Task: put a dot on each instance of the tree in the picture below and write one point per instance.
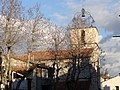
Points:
(34, 26)
(11, 22)
(11, 28)
(56, 42)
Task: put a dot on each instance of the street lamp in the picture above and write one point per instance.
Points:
(116, 36)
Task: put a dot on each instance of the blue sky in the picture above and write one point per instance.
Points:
(60, 12)
(106, 16)
(48, 8)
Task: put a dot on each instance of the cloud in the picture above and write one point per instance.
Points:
(105, 12)
(60, 18)
(112, 55)
(105, 39)
(100, 37)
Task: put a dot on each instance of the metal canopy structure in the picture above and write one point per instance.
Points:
(81, 19)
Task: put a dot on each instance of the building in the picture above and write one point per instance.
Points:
(76, 68)
(84, 35)
(111, 84)
(49, 60)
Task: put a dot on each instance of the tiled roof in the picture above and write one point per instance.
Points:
(49, 55)
(60, 54)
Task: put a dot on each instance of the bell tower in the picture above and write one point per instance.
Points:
(84, 35)
(82, 31)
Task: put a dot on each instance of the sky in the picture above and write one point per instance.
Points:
(106, 15)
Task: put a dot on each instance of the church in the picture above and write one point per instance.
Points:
(75, 68)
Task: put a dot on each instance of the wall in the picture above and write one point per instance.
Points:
(91, 35)
(111, 83)
(91, 41)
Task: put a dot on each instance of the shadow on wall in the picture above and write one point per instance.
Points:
(81, 77)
